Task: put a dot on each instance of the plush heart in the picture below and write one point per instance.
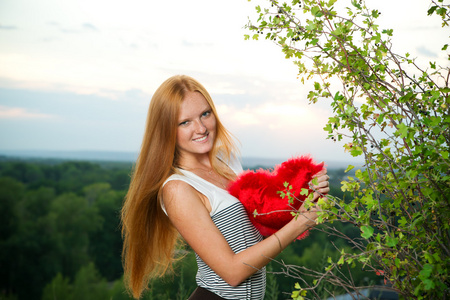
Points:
(258, 191)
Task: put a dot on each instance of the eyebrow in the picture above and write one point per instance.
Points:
(207, 108)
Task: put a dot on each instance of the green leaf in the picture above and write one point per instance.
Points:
(402, 221)
(389, 32)
(356, 4)
(311, 25)
(391, 242)
(431, 10)
(428, 284)
(356, 151)
(331, 2)
(402, 129)
(304, 192)
(367, 231)
(350, 167)
(350, 110)
(425, 275)
(337, 31)
(315, 10)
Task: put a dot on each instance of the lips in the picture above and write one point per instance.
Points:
(201, 139)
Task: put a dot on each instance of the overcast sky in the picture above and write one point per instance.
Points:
(79, 74)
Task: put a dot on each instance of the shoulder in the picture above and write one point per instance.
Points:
(178, 194)
(174, 187)
(175, 184)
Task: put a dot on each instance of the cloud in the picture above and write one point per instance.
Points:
(83, 27)
(21, 113)
(288, 117)
(426, 52)
(89, 26)
(8, 27)
(70, 31)
(53, 23)
(191, 44)
(272, 134)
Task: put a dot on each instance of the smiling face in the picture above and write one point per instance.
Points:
(196, 130)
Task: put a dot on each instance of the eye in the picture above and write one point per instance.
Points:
(206, 113)
(183, 123)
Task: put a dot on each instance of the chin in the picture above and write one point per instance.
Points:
(205, 150)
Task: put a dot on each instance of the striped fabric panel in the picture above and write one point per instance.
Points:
(240, 234)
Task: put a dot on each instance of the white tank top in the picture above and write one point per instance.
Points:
(219, 199)
(230, 217)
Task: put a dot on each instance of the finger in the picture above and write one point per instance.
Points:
(320, 192)
(320, 173)
(321, 184)
(323, 178)
(324, 190)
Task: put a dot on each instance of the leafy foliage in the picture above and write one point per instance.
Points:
(58, 222)
(392, 112)
(60, 236)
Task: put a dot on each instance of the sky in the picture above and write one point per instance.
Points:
(79, 74)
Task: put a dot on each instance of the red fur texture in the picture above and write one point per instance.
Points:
(258, 191)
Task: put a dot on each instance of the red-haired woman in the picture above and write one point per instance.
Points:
(178, 188)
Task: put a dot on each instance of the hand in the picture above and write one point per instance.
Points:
(320, 189)
(323, 186)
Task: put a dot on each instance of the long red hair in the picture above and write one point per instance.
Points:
(149, 237)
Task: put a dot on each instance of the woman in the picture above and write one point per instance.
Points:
(178, 189)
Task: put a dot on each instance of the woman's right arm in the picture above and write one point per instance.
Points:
(189, 215)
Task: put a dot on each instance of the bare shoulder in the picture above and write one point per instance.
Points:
(179, 193)
(174, 187)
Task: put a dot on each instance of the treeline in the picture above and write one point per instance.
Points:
(60, 236)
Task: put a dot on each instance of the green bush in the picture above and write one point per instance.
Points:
(395, 114)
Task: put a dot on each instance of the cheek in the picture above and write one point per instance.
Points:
(211, 123)
(181, 134)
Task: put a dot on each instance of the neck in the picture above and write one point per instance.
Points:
(195, 161)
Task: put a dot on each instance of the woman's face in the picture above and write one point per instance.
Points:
(196, 125)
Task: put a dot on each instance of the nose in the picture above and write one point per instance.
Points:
(200, 127)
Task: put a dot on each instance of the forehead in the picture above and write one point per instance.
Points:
(193, 104)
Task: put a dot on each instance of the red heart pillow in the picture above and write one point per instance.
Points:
(258, 191)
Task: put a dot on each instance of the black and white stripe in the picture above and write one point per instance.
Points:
(235, 226)
(230, 217)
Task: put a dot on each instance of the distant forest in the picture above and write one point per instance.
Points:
(60, 236)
